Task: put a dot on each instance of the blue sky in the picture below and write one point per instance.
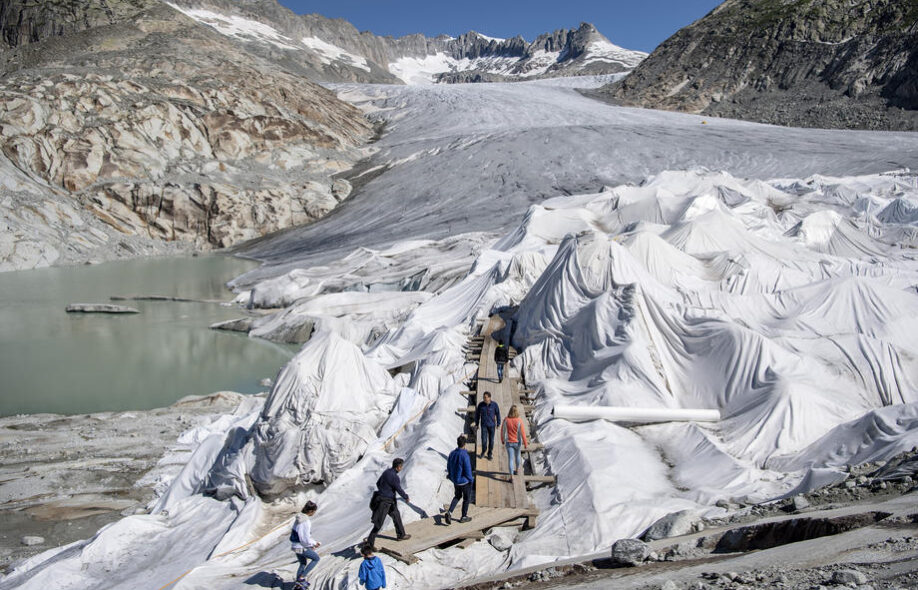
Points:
(634, 24)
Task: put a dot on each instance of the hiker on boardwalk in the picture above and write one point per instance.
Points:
(384, 500)
(459, 471)
(304, 545)
(512, 434)
(372, 574)
(501, 357)
(487, 417)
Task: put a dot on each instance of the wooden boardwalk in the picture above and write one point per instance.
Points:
(499, 499)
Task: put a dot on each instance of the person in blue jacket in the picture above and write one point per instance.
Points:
(487, 417)
(372, 574)
(459, 471)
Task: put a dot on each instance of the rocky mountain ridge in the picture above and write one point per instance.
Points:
(334, 50)
(806, 63)
(154, 133)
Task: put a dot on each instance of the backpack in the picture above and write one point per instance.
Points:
(294, 536)
(374, 501)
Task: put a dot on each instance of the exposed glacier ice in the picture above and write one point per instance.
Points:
(473, 157)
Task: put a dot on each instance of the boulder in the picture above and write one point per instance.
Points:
(629, 552)
(800, 503)
(849, 576)
(30, 540)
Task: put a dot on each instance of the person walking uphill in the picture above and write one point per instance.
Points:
(304, 545)
(372, 574)
(487, 417)
(459, 471)
(511, 435)
(501, 357)
(384, 500)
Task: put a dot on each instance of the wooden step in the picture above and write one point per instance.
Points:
(540, 478)
(428, 532)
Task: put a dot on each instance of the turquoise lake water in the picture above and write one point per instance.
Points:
(52, 361)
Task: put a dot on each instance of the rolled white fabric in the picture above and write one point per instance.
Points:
(623, 414)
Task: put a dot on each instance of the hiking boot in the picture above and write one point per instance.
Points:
(447, 518)
(404, 537)
(490, 457)
(465, 519)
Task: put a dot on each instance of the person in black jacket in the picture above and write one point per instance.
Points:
(387, 486)
(501, 356)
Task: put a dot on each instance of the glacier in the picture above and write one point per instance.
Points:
(644, 258)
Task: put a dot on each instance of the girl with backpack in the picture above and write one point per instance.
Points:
(304, 545)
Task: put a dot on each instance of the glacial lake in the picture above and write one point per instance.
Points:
(53, 361)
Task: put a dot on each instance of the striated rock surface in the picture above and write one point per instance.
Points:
(27, 22)
(156, 129)
(807, 63)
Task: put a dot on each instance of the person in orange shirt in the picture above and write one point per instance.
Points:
(512, 434)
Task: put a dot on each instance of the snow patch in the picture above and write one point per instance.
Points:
(329, 53)
(239, 27)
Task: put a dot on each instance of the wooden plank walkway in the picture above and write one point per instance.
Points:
(499, 498)
(431, 532)
(493, 484)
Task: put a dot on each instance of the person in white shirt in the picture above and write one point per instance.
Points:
(304, 545)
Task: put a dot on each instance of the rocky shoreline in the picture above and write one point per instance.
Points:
(64, 477)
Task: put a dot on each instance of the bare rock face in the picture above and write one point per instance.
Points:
(809, 63)
(29, 22)
(159, 129)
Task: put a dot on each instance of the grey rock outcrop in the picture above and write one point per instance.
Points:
(155, 130)
(809, 63)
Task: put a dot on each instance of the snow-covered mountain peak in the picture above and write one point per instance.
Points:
(334, 50)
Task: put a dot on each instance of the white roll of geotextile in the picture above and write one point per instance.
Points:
(643, 415)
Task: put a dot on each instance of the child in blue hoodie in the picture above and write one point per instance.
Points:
(372, 574)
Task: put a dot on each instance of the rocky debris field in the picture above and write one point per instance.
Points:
(64, 477)
(883, 558)
(894, 569)
(867, 481)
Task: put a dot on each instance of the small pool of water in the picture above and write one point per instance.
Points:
(52, 361)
